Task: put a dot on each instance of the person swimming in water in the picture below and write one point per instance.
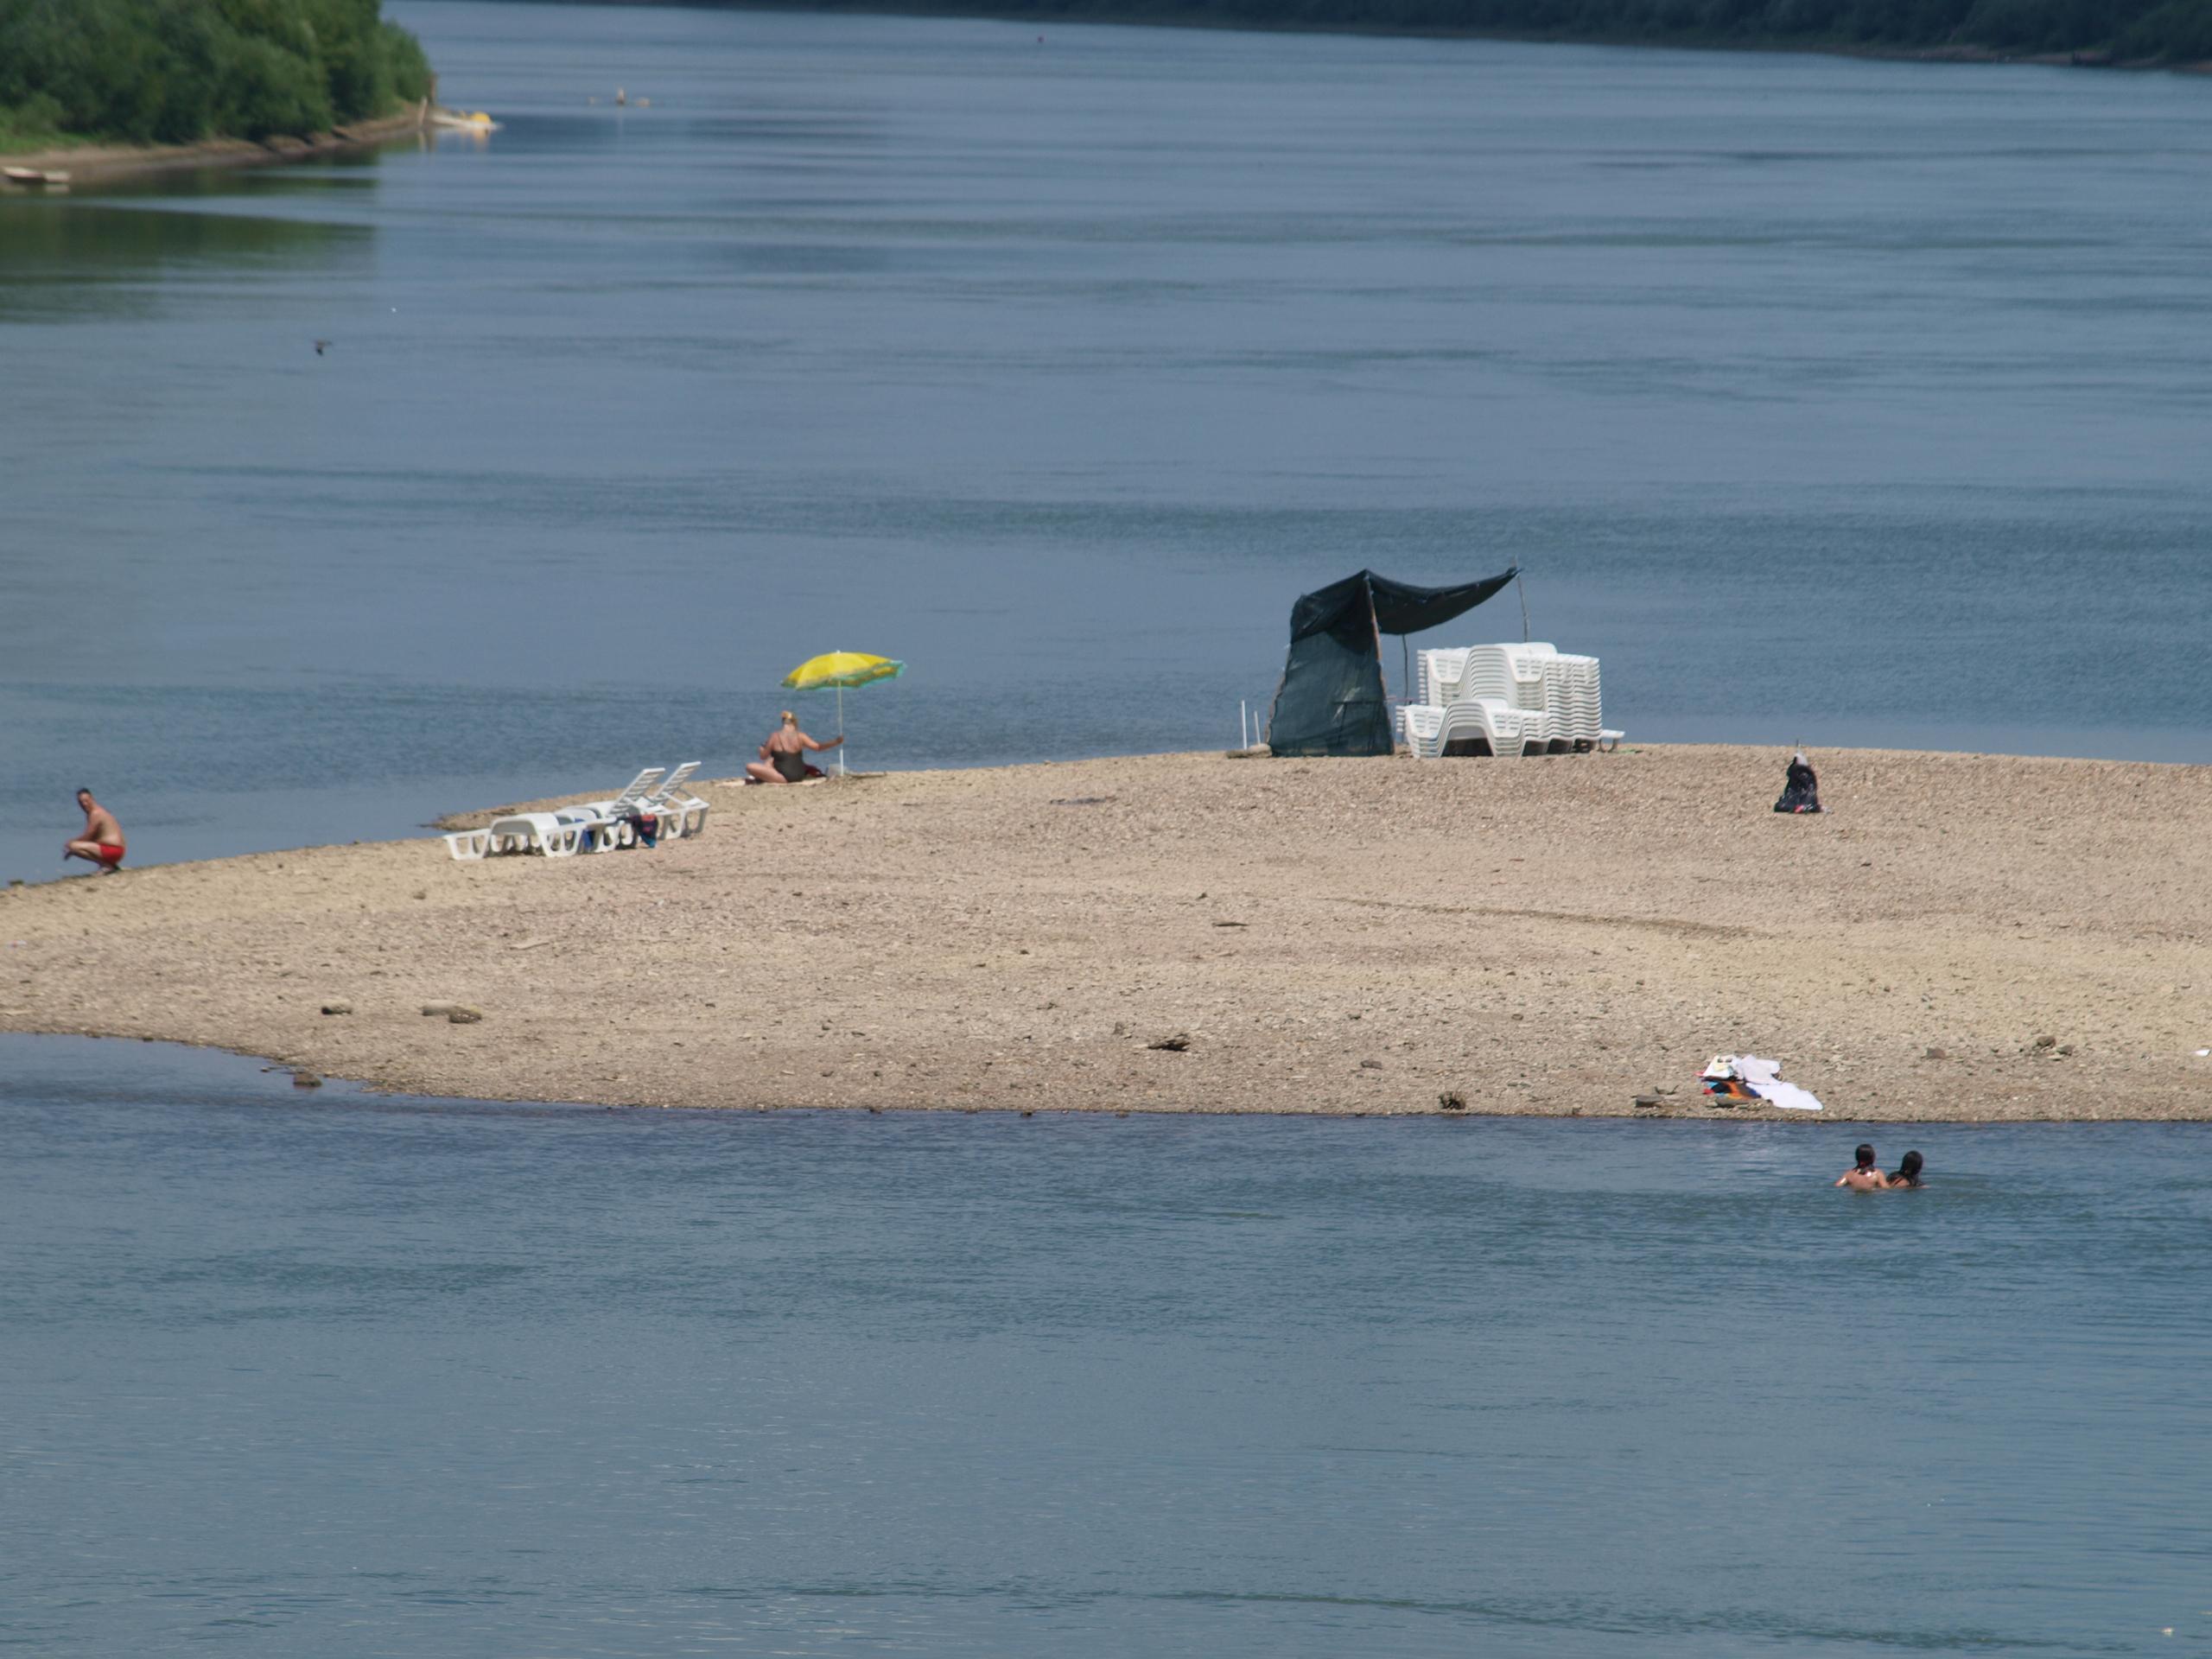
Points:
(1865, 1175)
(1907, 1172)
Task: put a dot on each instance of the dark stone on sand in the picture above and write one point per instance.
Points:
(461, 1014)
(1174, 1045)
(1370, 1065)
(337, 1007)
(306, 1080)
(1451, 1101)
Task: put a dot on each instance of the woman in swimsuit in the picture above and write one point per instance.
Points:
(1907, 1172)
(783, 757)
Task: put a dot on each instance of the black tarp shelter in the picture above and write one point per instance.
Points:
(1330, 700)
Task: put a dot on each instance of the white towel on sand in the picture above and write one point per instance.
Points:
(1760, 1077)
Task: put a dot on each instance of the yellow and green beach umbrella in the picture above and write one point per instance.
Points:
(841, 669)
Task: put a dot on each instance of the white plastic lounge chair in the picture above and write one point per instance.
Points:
(543, 832)
(1437, 673)
(620, 807)
(672, 802)
(1419, 724)
(681, 812)
(467, 845)
(677, 815)
(1504, 730)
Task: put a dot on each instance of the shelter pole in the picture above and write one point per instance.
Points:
(841, 731)
(1405, 669)
(1524, 592)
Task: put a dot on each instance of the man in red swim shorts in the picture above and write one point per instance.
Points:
(101, 844)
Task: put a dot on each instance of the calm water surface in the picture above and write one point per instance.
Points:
(348, 1375)
(1833, 400)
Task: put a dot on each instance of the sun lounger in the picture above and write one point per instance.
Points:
(680, 812)
(543, 832)
(596, 826)
(622, 806)
(686, 812)
(675, 814)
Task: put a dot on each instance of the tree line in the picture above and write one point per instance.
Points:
(175, 71)
(2166, 31)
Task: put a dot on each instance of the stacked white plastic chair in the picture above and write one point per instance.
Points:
(1517, 699)
(1437, 673)
(1420, 728)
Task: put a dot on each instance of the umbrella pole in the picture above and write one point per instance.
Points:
(841, 731)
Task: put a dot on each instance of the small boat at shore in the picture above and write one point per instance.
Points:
(459, 122)
(33, 178)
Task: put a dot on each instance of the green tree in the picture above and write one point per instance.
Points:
(173, 71)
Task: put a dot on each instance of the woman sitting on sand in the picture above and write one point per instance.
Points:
(1907, 1172)
(783, 757)
(1800, 787)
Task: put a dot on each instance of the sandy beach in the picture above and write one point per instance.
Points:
(1962, 938)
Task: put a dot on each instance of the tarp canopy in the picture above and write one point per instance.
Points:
(1331, 701)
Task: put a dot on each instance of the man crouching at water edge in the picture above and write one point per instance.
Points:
(1865, 1175)
(101, 844)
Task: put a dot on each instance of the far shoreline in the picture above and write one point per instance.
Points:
(1127, 17)
(95, 163)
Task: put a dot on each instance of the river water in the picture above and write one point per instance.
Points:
(1831, 401)
(353, 1376)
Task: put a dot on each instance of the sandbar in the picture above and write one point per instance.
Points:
(1963, 938)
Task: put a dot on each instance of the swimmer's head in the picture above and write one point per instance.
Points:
(1911, 1167)
(789, 719)
(1798, 758)
(84, 798)
(1866, 1154)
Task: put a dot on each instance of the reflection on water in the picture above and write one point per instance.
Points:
(1826, 402)
(356, 1376)
(66, 261)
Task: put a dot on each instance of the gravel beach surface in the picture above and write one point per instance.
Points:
(1962, 938)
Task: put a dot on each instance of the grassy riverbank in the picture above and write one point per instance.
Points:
(171, 72)
(1964, 937)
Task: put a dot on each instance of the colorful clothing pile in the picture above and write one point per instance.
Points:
(1746, 1076)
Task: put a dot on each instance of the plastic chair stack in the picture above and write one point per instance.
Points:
(1505, 699)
